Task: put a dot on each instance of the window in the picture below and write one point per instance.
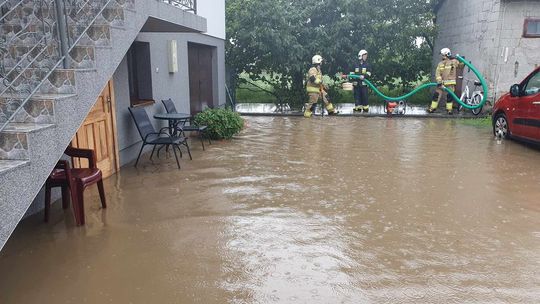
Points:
(533, 85)
(531, 29)
(140, 74)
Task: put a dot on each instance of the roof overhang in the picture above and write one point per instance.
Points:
(155, 25)
(165, 18)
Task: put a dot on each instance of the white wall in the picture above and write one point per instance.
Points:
(470, 28)
(214, 12)
(164, 84)
(517, 56)
(489, 32)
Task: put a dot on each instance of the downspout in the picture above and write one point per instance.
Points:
(499, 51)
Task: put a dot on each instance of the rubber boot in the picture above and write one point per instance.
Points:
(366, 109)
(433, 107)
(331, 110)
(357, 109)
(449, 108)
(309, 110)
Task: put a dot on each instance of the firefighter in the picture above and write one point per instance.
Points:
(316, 89)
(445, 75)
(363, 68)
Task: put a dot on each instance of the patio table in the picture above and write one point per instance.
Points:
(174, 119)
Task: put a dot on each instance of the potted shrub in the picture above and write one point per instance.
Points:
(221, 123)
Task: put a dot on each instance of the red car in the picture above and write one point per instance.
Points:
(517, 114)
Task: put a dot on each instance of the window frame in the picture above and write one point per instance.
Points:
(134, 74)
(526, 25)
(526, 84)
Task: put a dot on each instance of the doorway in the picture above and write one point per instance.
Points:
(98, 132)
(201, 84)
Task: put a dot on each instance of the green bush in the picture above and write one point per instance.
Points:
(222, 123)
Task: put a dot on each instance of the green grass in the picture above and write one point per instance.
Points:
(245, 94)
(248, 93)
(484, 122)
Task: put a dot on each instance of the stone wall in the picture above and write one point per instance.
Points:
(469, 28)
(517, 56)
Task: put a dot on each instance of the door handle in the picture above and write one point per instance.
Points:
(536, 102)
(109, 104)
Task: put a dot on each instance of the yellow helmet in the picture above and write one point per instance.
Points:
(317, 59)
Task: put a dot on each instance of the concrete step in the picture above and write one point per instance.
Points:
(28, 11)
(99, 34)
(81, 57)
(14, 143)
(38, 109)
(8, 165)
(26, 55)
(60, 81)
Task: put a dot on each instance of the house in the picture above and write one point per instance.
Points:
(70, 71)
(500, 37)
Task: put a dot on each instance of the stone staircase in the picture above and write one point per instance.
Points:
(44, 99)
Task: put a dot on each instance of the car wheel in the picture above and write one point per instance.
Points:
(500, 126)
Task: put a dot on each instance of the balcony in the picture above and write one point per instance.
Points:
(187, 5)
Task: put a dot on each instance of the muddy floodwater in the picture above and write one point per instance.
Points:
(322, 210)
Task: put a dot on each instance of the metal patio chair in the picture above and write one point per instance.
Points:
(149, 135)
(171, 108)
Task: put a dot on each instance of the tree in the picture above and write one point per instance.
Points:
(273, 41)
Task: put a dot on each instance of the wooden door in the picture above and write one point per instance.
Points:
(98, 132)
(201, 83)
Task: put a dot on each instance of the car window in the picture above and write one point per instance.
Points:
(533, 86)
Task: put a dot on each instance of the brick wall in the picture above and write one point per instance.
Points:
(516, 56)
(470, 27)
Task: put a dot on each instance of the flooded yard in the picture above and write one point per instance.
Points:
(322, 210)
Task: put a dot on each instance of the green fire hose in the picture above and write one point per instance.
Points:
(433, 84)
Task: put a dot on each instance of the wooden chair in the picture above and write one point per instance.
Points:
(171, 108)
(76, 180)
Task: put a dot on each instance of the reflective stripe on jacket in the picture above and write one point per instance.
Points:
(314, 87)
(363, 68)
(446, 71)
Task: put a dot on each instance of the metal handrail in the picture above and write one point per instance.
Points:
(13, 90)
(187, 5)
(27, 93)
(58, 32)
(74, 43)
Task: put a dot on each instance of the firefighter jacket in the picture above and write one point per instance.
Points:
(446, 72)
(362, 68)
(314, 81)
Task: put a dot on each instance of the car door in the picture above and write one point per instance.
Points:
(527, 109)
(533, 87)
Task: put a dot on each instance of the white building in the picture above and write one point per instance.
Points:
(500, 37)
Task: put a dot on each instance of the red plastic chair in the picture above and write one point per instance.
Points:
(76, 180)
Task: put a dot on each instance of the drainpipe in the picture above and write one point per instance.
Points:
(61, 21)
(195, 7)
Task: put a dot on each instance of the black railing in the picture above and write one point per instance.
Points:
(187, 5)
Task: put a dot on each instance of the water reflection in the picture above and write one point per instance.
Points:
(322, 210)
(343, 108)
